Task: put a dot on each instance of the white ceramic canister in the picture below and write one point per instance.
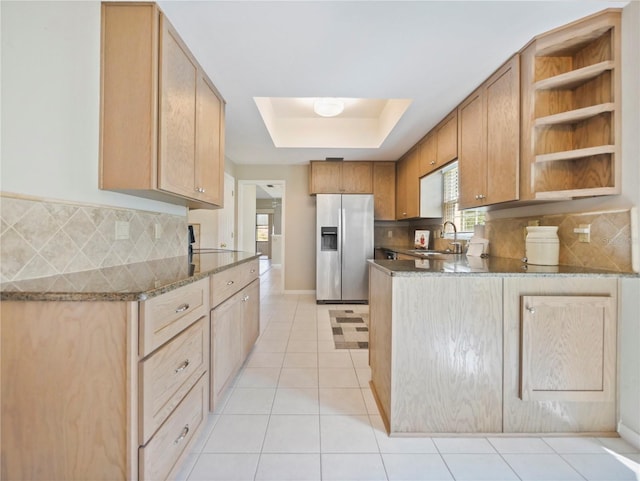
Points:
(543, 245)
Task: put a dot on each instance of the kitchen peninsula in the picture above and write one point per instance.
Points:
(473, 345)
(109, 374)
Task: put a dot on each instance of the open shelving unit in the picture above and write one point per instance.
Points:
(576, 109)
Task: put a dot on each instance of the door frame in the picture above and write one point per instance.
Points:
(247, 197)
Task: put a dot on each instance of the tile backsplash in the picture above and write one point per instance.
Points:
(609, 247)
(42, 238)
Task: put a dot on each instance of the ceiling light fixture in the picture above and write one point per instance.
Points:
(328, 107)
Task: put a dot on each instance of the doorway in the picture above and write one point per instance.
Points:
(264, 230)
(261, 219)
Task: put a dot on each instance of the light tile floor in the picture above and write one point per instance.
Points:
(302, 410)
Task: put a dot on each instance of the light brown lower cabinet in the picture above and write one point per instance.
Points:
(519, 354)
(226, 335)
(81, 399)
(560, 354)
(436, 353)
(235, 325)
(158, 457)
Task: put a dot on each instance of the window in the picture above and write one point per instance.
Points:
(464, 220)
(262, 227)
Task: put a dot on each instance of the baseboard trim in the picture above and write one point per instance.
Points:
(300, 292)
(629, 435)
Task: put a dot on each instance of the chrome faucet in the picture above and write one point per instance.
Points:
(456, 246)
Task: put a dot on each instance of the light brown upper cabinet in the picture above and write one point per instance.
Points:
(440, 146)
(162, 120)
(328, 177)
(448, 139)
(571, 76)
(428, 153)
(408, 185)
(384, 190)
(489, 139)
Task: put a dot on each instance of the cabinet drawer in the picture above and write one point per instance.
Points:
(162, 317)
(159, 457)
(226, 283)
(169, 373)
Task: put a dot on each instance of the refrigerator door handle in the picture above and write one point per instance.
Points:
(343, 245)
(340, 234)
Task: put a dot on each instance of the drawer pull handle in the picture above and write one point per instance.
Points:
(245, 298)
(182, 308)
(183, 434)
(531, 310)
(229, 283)
(182, 366)
(252, 271)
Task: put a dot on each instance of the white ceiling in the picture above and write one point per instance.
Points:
(268, 190)
(434, 52)
(364, 123)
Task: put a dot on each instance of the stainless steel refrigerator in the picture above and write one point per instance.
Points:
(344, 242)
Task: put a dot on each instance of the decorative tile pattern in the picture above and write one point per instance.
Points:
(610, 246)
(399, 235)
(350, 329)
(41, 238)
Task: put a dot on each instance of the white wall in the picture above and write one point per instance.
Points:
(247, 221)
(629, 348)
(50, 104)
(299, 211)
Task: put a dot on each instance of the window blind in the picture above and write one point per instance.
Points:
(464, 220)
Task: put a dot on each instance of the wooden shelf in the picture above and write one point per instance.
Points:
(574, 78)
(568, 194)
(574, 116)
(576, 154)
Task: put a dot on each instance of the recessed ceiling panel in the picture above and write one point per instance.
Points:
(364, 123)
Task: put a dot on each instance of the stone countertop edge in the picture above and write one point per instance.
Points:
(19, 290)
(458, 265)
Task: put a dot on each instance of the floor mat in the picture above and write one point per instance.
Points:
(350, 329)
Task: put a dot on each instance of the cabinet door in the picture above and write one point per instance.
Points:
(401, 190)
(413, 185)
(503, 133)
(428, 154)
(447, 140)
(472, 166)
(384, 190)
(357, 178)
(177, 124)
(226, 351)
(567, 348)
(209, 168)
(250, 316)
(541, 348)
(325, 177)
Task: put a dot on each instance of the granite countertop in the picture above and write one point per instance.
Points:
(130, 282)
(456, 264)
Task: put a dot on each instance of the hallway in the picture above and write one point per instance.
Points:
(302, 410)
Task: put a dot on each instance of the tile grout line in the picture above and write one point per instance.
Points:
(264, 438)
